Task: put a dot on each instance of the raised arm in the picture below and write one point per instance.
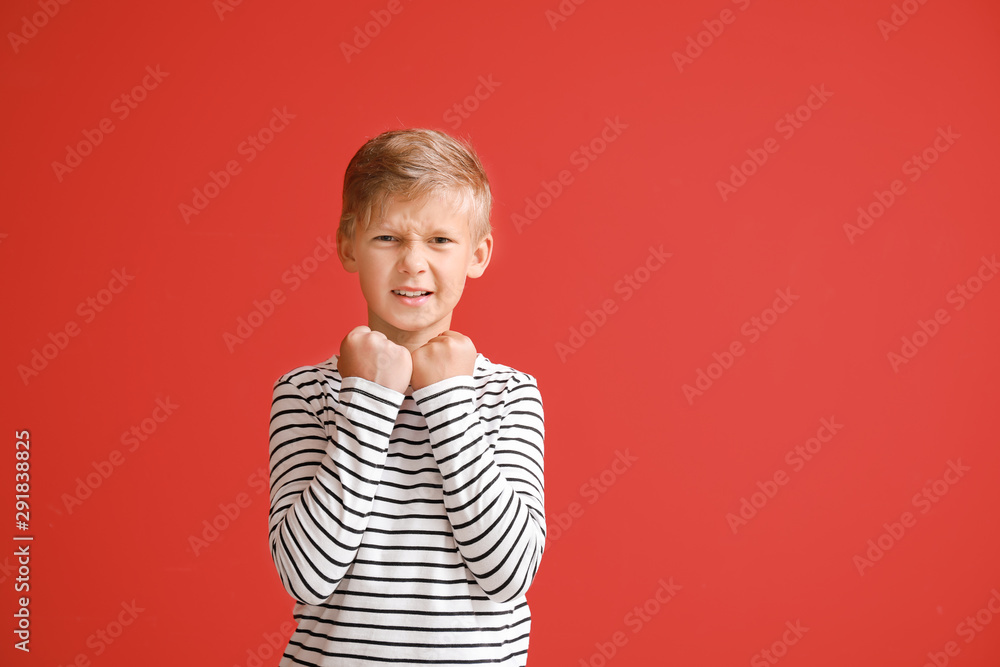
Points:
(494, 497)
(326, 460)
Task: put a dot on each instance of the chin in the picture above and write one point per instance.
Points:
(411, 326)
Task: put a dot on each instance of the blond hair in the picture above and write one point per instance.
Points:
(410, 165)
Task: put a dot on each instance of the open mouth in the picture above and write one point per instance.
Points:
(412, 298)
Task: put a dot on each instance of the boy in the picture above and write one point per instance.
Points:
(407, 493)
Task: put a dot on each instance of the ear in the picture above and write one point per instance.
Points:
(481, 257)
(345, 251)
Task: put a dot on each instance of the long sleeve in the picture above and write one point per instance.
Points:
(493, 493)
(326, 461)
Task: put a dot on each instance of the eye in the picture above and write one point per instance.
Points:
(384, 237)
(441, 240)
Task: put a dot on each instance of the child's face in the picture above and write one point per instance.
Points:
(419, 246)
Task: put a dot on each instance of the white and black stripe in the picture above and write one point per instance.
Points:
(408, 528)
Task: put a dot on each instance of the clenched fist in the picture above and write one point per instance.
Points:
(370, 355)
(442, 357)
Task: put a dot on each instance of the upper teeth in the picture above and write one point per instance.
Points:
(404, 293)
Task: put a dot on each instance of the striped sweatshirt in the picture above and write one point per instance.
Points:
(407, 527)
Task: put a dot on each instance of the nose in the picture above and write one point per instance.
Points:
(412, 259)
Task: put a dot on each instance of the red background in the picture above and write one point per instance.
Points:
(621, 391)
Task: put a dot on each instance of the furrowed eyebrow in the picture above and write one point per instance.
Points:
(380, 229)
